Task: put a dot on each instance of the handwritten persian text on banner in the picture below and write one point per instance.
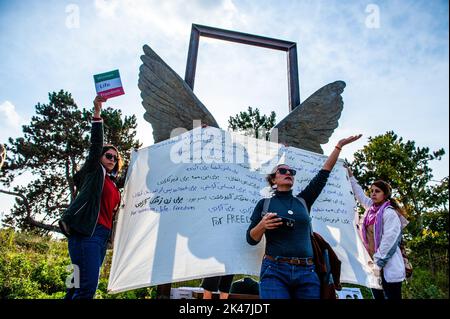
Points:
(188, 202)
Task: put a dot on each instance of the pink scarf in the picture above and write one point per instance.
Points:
(374, 216)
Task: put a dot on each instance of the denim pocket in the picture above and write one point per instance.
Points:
(265, 268)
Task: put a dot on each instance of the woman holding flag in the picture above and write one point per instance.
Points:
(88, 220)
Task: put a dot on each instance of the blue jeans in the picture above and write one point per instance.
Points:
(87, 253)
(280, 280)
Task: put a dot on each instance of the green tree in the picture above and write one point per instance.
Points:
(52, 148)
(431, 245)
(251, 123)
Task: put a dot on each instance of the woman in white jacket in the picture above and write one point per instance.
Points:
(381, 232)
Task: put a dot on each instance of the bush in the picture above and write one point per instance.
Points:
(31, 266)
(423, 285)
(141, 293)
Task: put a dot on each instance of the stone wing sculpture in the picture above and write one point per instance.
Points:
(170, 103)
(313, 121)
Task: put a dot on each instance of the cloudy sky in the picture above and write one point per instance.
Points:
(393, 55)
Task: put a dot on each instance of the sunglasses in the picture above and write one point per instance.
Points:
(111, 157)
(283, 171)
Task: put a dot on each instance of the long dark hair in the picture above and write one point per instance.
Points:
(387, 190)
(116, 170)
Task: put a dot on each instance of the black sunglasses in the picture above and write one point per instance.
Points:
(111, 157)
(283, 171)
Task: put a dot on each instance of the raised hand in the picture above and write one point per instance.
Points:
(98, 105)
(350, 173)
(331, 160)
(348, 140)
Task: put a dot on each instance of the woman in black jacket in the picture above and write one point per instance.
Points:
(288, 268)
(88, 220)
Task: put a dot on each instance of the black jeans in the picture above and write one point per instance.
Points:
(391, 290)
(221, 283)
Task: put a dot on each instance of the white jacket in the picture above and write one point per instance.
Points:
(388, 255)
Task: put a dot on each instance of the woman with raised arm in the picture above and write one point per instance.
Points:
(288, 270)
(88, 220)
(381, 232)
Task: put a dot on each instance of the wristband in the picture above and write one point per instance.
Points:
(339, 148)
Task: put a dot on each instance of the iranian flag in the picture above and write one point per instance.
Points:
(108, 84)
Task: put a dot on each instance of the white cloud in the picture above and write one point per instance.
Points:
(395, 75)
(10, 122)
(106, 8)
(8, 116)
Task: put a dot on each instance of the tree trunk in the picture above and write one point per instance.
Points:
(69, 179)
(28, 219)
(432, 267)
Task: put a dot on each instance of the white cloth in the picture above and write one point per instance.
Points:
(186, 211)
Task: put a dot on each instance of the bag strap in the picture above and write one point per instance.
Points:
(328, 277)
(265, 206)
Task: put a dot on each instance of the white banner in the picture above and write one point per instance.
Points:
(187, 205)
